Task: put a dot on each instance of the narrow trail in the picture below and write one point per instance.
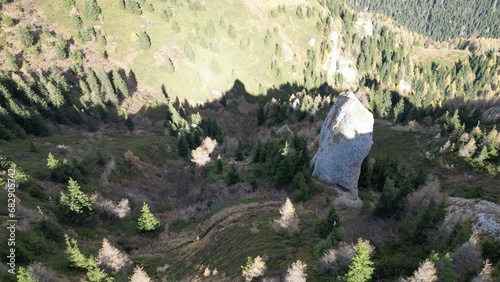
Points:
(207, 228)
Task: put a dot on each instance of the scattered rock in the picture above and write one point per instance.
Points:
(345, 140)
(491, 115)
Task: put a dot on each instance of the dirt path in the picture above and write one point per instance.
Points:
(207, 229)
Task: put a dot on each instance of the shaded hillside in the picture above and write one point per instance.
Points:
(440, 20)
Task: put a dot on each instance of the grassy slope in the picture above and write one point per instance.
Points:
(250, 19)
(458, 179)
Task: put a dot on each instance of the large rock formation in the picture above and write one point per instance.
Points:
(345, 140)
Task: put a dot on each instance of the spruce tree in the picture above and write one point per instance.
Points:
(170, 66)
(183, 146)
(147, 221)
(261, 116)
(92, 10)
(76, 258)
(175, 27)
(76, 21)
(360, 269)
(25, 35)
(144, 40)
(233, 176)
(120, 84)
(231, 32)
(24, 276)
(210, 29)
(75, 204)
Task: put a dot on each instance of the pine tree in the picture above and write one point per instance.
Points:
(120, 84)
(52, 163)
(188, 51)
(147, 221)
(92, 10)
(76, 258)
(170, 66)
(261, 116)
(55, 95)
(107, 87)
(95, 274)
(76, 202)
(231, 32)
(360, 270)
(183, 146)
(76, 21)
(24, 276)
(133, 7)
(61, 48)
(326, 226)
(233, 176)
(25, 36)
(210, 29)
(175, 27)
(144, 40)
(214, 66)
(12, 61)
(219, 166)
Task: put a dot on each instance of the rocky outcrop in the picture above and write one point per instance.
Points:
(345, 140)
(486, 214)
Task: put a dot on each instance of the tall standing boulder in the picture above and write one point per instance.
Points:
(345, 140)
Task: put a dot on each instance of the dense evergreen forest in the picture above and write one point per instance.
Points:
(441, 20)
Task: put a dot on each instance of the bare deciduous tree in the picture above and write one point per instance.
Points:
(486, 273)
(296, 272)
(254, 270)
(111, 256)
(108, 209)
(201, 156)
(426, 272)
(288, 223)
(140, 275)
(336, 259)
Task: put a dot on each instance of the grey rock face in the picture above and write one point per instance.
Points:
(345, 140)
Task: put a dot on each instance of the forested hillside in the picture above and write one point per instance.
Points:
(442, 19)
(157, 140)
